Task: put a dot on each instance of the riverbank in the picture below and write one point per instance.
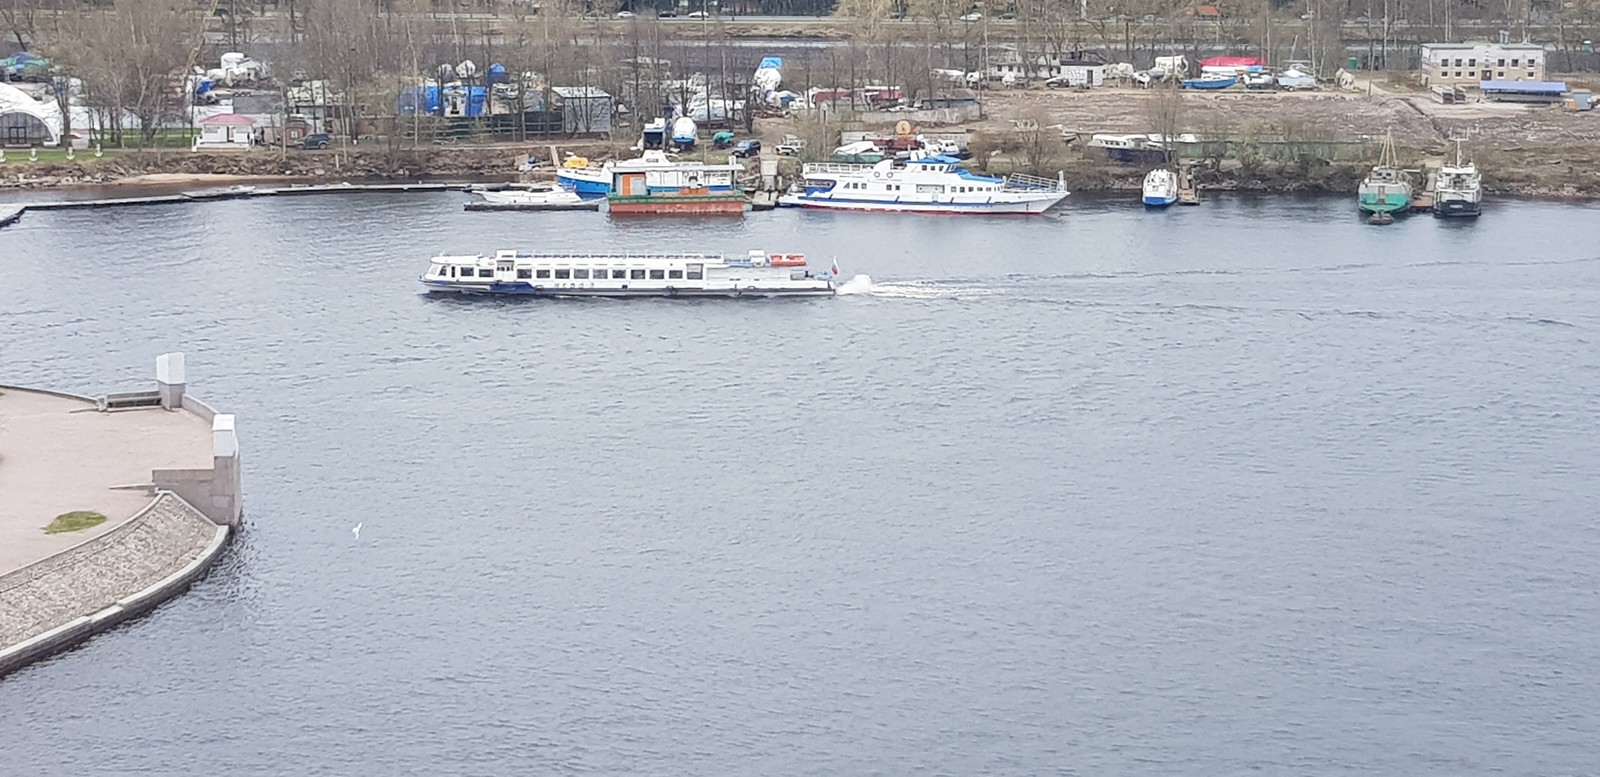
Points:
(1271, 142)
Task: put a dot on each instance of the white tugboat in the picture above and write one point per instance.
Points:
(756, 274)
(1460, 189)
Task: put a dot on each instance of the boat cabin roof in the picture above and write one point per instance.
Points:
(749, 259)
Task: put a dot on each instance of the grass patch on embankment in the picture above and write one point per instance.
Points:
(77, 520)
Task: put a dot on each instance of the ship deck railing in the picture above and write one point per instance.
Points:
(730, 260)
(835, 167)
(1031, 182)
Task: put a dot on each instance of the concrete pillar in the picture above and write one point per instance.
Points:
(170, 380)
(227, 500)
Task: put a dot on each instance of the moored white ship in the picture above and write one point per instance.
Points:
(756, 274)
(1160, 188)
(929, 185)
(1459, 191)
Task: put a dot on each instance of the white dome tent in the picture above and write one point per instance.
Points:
(26, 121)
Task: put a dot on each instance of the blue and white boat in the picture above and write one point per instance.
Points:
(594, 181)
(586, 181)
(1160, 188)
(1210, 82)
(933, 184)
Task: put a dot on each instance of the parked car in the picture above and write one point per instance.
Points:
(972, 17)
(624, 14)
(667, 14)
(699, 15)
(314, 140)
(791, 146)
(747, 148)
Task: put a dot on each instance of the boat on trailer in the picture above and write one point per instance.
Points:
(754, 274)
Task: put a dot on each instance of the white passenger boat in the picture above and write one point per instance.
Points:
(1160, 188)
(929, 185)
(756, 274)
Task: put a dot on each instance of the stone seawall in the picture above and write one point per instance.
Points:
(66, 598)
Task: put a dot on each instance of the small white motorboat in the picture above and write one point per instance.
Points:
(532, 199)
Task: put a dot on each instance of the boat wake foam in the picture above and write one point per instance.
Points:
(915, 289)
(857, 284)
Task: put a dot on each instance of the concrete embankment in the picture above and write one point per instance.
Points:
(160, 466)
(62, 600)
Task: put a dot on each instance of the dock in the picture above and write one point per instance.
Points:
(335, 188)
(1423, 200)
(9, 214)
(237, 192)
(1188, 190)
(490, 206)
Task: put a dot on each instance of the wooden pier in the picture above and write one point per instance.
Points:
(1188, 190)
(1423, 200)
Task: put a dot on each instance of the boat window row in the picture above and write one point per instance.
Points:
(694, 273)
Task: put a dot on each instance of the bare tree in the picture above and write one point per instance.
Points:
(1164, 113)
(132, 60)
(18, 17)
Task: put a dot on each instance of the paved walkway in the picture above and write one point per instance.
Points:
(59, 454)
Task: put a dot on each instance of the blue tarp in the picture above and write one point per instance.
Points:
(430, 100)
(496, 73)
(936, 159)
(1525, 87)
(776, 63)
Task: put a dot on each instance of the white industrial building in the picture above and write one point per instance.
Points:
(1468, 64)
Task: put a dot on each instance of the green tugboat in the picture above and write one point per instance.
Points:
(1387, 189)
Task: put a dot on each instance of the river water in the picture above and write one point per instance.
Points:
(1250, 486)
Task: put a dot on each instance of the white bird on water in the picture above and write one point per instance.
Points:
(357, 530)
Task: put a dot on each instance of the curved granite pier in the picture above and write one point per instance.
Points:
(161, 466)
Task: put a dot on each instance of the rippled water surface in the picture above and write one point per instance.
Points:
(1251, 486)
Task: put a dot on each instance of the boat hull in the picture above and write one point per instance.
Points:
(1030, 207)
(523, 289)
(585, 183)
(1384, 198)
(682, 205)
(526, 207)
(1457, 208)
(1162, 201)
(1209, 83)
